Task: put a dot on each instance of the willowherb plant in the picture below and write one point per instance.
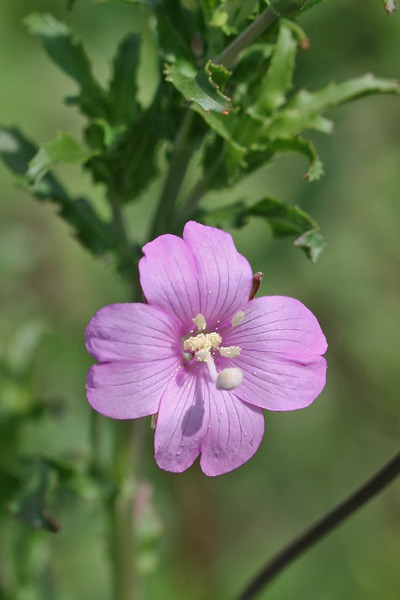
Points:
(201, 352)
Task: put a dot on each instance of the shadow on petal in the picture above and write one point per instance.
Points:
(193, 418)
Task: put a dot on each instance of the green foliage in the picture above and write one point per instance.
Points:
(64, 149)
(245, 118)
(198, 87)
(283, 220)
(123, 86)
(68, 53)
(17, 153)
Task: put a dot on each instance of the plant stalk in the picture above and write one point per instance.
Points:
(321, 528)
(120, 502)
(228, 56)
(181, 155)
(121, 541)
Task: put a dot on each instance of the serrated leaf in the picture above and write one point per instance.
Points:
(277, 81)
(63, 150)
(68, 53)
(283, 220)
(305, 108)
(123, 86)
(176, 31)
(300, 146)
(198, 87)
(312, 243)
(16, 151)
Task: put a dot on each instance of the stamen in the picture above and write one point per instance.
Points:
(229, 379)
(230, 351)
(200, 322)
(201, 345)
(238, 318)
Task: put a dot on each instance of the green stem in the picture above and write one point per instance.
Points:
(228, 56)
(122, 550)
(125, 455)
(181, 155)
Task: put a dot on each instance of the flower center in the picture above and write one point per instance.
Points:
(203, 347)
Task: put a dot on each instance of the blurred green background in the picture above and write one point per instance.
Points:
(217, 532)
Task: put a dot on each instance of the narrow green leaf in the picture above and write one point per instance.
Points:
(17, 151)
(63, 150)
(283, 220)
(303, 147)
(305, 108)
(123, 86)
(198, 86)
(177, 29)
(390, 6)
(68, 53)
(277, 81)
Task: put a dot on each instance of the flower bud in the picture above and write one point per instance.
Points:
(286, 8)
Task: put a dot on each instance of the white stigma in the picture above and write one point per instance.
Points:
(230, 351)
(238, 318)
(229, 379)
(200, 322)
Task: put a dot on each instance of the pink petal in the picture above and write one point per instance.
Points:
(182, 421)
(168, 276)
(129, 390)
(133, 332)
(234, 433)
(203, 273)
(278, 382)
(281, 343)
(224, 276)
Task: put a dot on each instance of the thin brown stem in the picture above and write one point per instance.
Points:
(321, 528)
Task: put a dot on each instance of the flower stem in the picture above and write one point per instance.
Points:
(120, 501)
(181, 155)
(321, 528)
(121, 514)
(228, 56)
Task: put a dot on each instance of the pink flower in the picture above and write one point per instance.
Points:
(201, 354)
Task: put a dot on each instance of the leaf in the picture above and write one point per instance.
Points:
(31, 505)
(177, 29)
(281, 146)
(16, 152)
(312, 243)
(277, 81)
(283, 220)
(68, 53)
(198, 86)
(390, 6)
(123, 86)
(305, 108)
(64, 149)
